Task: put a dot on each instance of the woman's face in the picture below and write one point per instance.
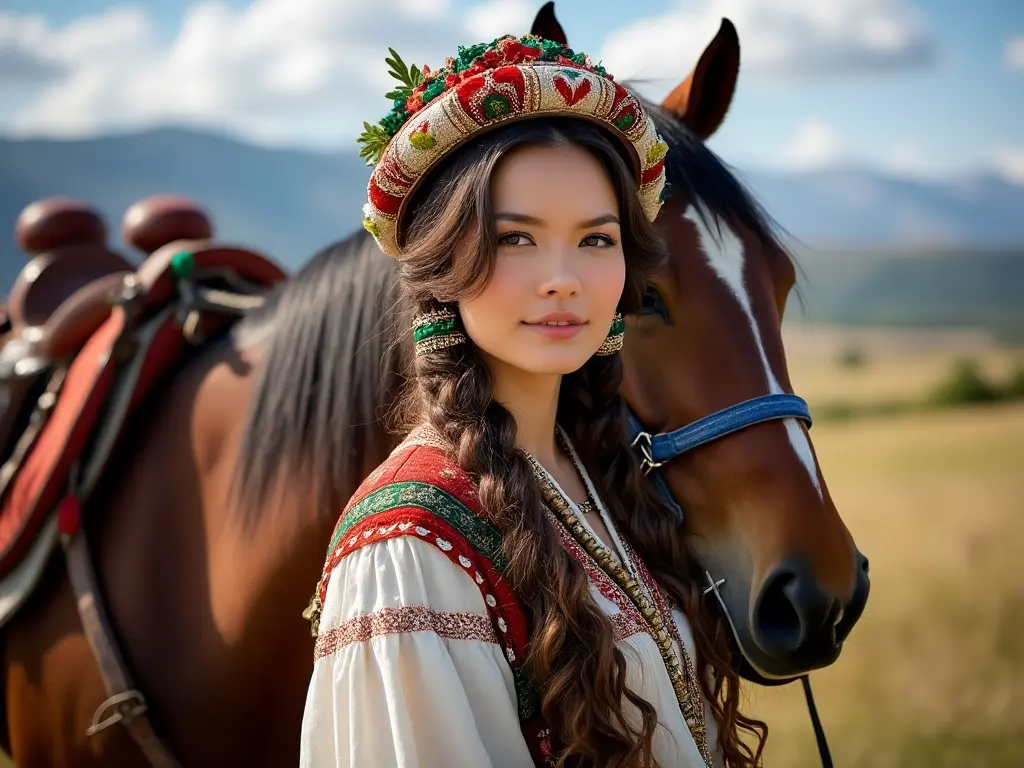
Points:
(560, 269)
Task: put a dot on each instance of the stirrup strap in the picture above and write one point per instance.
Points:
(125, 704)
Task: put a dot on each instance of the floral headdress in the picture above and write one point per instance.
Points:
(483, 87)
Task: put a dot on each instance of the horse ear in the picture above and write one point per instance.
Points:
(703, 98)
(547, 26)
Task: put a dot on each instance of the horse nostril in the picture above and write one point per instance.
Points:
(790, 612)
(863, 562)
(776, 622)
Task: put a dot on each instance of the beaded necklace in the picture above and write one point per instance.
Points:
(657, 617)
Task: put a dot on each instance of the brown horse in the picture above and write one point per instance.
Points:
(205, 592)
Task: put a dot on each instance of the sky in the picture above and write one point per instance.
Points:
(918, 89)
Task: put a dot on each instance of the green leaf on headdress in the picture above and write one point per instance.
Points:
(374, 139)
(408, 75)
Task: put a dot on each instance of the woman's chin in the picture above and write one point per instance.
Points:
(547, 358)
(553, 362)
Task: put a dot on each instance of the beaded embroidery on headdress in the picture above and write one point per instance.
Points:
(485, 86)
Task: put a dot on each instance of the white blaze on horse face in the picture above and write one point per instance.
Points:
(724, 254)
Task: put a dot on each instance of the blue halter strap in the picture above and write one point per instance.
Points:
(655, 450)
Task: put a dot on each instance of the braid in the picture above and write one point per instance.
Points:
(581, 674)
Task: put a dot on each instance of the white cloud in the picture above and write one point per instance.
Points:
(1009, 163)
(804, 38)
(1013, 53)
(815, 145)
(497, 17)
(277, 71)
(911, 161)
(21, 62)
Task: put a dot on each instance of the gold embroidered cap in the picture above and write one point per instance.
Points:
(485, 86)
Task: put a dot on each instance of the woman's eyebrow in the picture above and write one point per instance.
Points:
(522, 218)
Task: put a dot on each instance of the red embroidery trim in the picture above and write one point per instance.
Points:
(629, 622)
(604, 583)
(660, 600)
(501, 603)
(625, 626)
(404, 620)
(506, 615)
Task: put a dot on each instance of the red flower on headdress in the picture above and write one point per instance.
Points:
(516, 53)
(568, 62)
(414, 103)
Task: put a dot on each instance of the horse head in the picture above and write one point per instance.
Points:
(734, 450)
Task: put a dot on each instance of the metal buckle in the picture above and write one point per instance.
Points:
(646, 448)
(126, 706)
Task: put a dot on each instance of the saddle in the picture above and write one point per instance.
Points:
(56, 300)
(89, 342)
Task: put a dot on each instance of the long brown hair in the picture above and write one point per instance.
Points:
(579, 672)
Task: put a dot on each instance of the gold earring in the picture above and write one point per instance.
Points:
(613, 341)
(436, 330)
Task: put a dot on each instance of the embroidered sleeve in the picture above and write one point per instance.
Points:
(409, 670)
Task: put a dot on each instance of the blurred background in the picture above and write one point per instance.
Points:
(885, 136)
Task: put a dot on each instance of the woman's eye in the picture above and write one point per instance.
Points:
(514, 239)
(597, 241)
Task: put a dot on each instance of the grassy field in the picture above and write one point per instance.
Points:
(934, 673)
(898, 365)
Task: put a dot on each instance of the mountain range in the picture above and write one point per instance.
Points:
(288, 203)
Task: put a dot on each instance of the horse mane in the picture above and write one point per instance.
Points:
(328, 374)
(714, 188)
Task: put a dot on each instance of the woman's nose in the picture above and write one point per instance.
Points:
(559, 278)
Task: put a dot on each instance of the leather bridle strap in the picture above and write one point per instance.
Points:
(656, 450)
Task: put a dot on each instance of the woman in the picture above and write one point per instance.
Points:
(506, 590)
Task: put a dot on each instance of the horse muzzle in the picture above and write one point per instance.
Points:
(794, 625)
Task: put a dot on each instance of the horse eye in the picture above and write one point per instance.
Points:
(653, 303)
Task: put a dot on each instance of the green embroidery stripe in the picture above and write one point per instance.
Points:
(481, 535)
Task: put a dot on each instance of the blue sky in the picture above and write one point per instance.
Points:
(922, 89)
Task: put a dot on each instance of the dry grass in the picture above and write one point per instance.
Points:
(899, 366)
(934, 674)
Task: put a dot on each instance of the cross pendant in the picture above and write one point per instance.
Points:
(714, 584)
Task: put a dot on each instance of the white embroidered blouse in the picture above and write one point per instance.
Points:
(413, 675)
